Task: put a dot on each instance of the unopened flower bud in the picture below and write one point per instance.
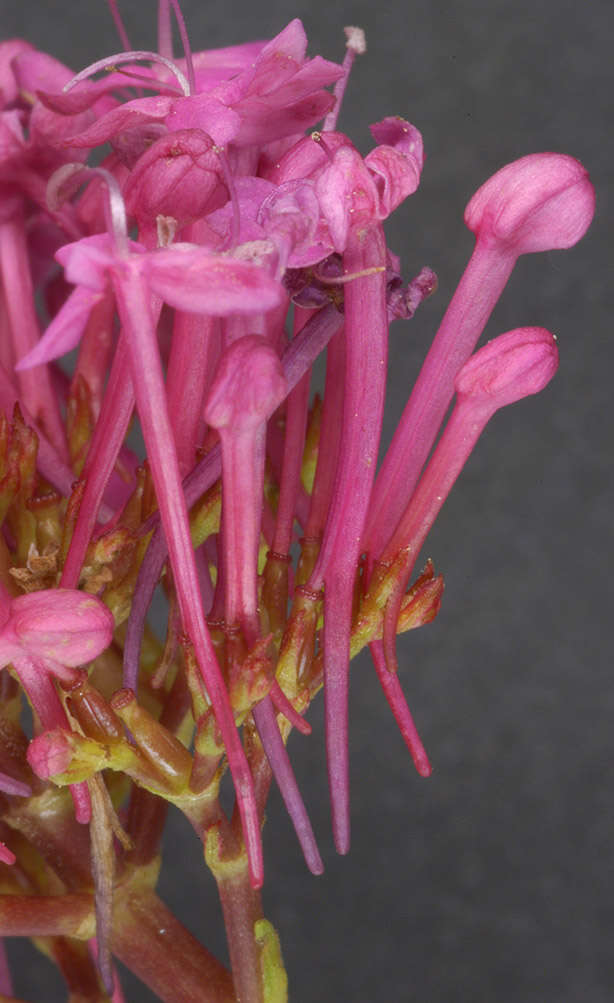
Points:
(508, 368)
(66, 625)
(180, 176)
(538, 203)
(65, 756)
(248, 386)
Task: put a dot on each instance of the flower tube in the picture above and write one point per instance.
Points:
(247, 388)
(541, 202)
(512, 366)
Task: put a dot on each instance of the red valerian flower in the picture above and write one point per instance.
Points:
(172, 269)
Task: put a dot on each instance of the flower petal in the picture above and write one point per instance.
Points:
(190, 278)
(65, 330)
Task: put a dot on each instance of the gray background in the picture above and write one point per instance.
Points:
(493, 879)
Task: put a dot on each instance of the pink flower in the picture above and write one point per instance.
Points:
(56, 628)
(544, 201)
(179, 262)
(44, 636)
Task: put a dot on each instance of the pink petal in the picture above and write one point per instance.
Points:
(212, 66)
(36, 70)
(307, 158)
(402, 136)
(308, 79)
(87, 92)
(291, 41)
(65, 330)
(395, 176)
(6, 856)
(347, 194)
(250, 193)
(9, 87)
(130, 115)
(264, 120)
(190, 278)
(87, 261)
(205, 112)
(12, 143)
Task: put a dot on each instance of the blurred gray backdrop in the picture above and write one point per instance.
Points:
(492, 880)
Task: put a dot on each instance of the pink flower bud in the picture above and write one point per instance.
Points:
(514, 365)
(180, 175)
(51, 753)
(65, 625)
(248, 386)
(538, 203)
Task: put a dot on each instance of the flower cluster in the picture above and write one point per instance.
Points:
(200, 268)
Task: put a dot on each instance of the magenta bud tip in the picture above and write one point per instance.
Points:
(538, 203)
(514, 365)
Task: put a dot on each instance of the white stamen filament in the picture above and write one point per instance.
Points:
(129, 57)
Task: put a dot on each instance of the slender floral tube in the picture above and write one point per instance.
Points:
(95, 351)
(133, 301)
(297, 358)
(247, 388)
(109, 434)
(296, 422)
(366, 344)
(19, 295)
(538, 203)
(390, 683)
(189, 373)
(512, 366)
(328, 451)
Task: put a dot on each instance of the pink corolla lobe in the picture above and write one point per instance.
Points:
(187, 276)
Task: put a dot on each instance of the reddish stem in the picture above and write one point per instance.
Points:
(154, 945)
